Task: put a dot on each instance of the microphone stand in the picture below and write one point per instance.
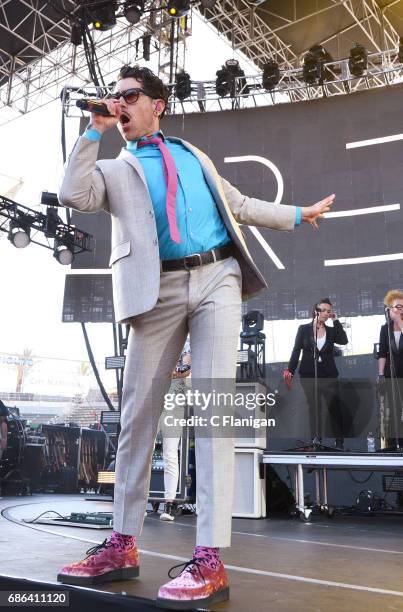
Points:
(393, 378)
(316, 441)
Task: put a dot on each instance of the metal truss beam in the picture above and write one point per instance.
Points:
(42, 80)
(291, 88)
(248, 31)
(42, 228)
(30, 86)
(47, 61)
(373, 22)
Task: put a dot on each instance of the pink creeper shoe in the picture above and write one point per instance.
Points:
(196, 586)
(103, 563)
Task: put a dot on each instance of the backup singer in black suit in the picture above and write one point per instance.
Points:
(390, 362)
(322, 338)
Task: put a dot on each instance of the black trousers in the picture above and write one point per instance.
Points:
(393, 414)
(329, 397)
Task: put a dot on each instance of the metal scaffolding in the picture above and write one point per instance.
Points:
(46, 60)
(383, 69)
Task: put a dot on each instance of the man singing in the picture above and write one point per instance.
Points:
(179, 265)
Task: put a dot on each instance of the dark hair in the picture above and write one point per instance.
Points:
(316, 305)
(151, 83)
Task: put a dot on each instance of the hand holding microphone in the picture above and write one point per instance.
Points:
(105, 113)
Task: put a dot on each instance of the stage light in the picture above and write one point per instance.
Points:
(103, 16)
(49, 198)
(76, 36)
(223, 82)
(183, 86)
(18, 234)
(63, 252)
(252, 322)
(227, 82)
(133, 11)
(271, 75)
(178, 8)
(358, 60)
(52, 222)
(313, 69)
(310, 69)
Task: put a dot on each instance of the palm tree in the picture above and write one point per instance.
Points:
(22, 368)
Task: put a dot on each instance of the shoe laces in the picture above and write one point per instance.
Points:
(96, 549)
(188, 566)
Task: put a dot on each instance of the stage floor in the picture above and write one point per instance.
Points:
(276, 564)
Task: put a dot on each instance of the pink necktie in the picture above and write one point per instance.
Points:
(171, 180)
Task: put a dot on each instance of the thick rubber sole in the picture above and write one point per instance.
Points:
(191, 604)
(126, 573)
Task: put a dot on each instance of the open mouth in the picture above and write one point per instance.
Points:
(124, 119)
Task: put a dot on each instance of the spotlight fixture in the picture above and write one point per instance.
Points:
(133, 11)
(227, 81)
(49, 198)
(19, 234)
(271, 75)
(63, 252)
(252, 322)
(313, 69)
(183, 85)
(24, 225)
(223, 82)
(103, 16)
(52, 222)
(76, 35)
(178, 8)
(358, 60)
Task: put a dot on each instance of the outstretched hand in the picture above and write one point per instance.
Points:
(311, 214)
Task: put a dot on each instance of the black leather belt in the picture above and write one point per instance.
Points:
(198, 259)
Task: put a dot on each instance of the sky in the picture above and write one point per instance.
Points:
(32, 281)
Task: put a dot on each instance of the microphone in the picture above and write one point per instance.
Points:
(93, 106)
(386, 308)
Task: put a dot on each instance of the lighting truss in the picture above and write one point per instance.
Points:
(49, 61)
(248, 32)
(373, 22)
(39, 82)
(383, 69)
(41, 231)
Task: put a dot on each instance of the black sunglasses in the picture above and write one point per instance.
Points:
(130, 96)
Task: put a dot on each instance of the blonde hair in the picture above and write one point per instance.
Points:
(391, 296)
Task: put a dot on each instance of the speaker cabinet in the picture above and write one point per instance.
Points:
(250, 484)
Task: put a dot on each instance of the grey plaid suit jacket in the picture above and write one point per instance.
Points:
(118, 186)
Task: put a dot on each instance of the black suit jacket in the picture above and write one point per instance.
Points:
(305, 342)
(397, 351)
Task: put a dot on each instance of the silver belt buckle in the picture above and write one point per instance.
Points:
(194, 255)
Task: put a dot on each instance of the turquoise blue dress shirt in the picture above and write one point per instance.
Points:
(200, 225)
